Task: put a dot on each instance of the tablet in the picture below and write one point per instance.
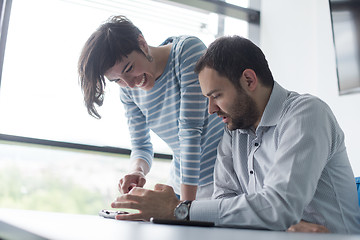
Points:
(182, 222)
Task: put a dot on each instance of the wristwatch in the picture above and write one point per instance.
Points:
(182, 211)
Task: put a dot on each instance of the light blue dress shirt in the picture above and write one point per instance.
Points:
(293, 166)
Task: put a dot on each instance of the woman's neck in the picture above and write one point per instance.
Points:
(160, 55)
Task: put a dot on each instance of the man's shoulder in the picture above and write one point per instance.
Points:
(303, 102)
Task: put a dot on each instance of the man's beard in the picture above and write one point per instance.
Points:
(244, 113)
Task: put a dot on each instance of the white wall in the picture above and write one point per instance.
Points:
(297, 39)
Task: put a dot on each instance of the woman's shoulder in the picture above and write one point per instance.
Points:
(182, 40)
(188, 45)
(186, 39)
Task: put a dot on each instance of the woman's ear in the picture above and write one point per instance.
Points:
(249, 80)
(143, 44)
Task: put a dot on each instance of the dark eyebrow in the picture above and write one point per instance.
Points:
(125, 67)
(211, 92)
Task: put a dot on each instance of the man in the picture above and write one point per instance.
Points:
(282, 158)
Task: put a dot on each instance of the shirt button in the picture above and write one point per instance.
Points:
(256, 144)
(251, 172)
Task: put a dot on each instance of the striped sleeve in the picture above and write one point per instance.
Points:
(139, 131)
(193, 107)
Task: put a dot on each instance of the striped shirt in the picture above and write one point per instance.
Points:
(176, 111)
(293, 167)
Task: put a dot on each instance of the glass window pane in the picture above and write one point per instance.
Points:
(233, 26)
(40, 96)
(240, 3)
(61, 180)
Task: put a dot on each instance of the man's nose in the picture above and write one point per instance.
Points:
(212, 108)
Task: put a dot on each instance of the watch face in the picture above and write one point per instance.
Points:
(182, 211)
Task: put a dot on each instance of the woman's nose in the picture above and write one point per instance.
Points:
(127, 83)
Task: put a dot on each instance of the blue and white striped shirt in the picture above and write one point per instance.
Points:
(293, 167)
(176, 111)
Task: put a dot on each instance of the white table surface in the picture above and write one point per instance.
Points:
(25, 224)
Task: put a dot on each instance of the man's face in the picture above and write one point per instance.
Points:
(237, 109)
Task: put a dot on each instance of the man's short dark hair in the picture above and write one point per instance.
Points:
(231, 55)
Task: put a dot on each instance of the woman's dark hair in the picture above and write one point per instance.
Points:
(112, 41)
(231, 55)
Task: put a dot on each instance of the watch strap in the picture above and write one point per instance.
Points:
(188, 203)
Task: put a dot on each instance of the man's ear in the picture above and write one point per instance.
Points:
(249, 80)
(143, 44)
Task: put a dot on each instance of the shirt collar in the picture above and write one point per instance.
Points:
(273, 109)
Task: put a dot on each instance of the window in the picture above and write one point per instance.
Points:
(40, 97)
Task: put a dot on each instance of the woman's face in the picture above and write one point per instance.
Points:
(135, 70)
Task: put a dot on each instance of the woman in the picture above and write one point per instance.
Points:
(160, 92)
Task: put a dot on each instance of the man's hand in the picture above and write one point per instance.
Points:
(157, 203)
(129, 181)
(303, 226)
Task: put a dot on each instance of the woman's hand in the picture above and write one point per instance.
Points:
(136, 177)
(131, 180)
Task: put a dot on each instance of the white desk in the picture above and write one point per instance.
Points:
(23, 224)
